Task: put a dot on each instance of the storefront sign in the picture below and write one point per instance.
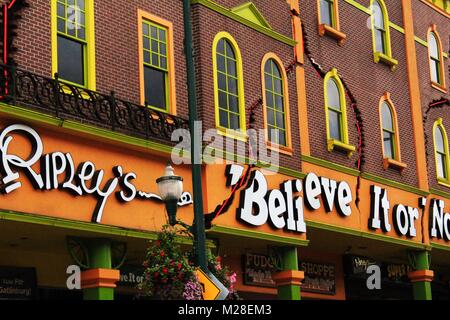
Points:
(17, 283)
(319, 278)
(57, 171)
(404, 217)
(280, 207)
(259, 269)
(397, 272)
(440, 221)
(358, 265)
(130, 276)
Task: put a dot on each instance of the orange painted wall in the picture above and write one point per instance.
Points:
(138, 214)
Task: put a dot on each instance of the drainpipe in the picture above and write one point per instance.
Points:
(196, 143)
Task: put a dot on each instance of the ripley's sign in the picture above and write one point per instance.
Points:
(58, 166)
(283, 208)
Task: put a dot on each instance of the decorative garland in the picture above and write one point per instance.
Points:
(359, 164)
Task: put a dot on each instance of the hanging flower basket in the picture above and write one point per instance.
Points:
(170, 272)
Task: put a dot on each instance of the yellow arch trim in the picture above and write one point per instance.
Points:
(439, 124)
(439, 86)
(235, 134)
(280, 148)
(332, 143)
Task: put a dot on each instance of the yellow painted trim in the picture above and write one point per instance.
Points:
(90, 67)
(287, 119)
(236, 134)
(439, 124)
(143, 15)
(438, 9)
(415, 96)
(397, 152)
(381, 56)
(332, 143)
(439, 86)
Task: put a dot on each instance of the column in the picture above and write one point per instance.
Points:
(421, 278)
(289, 280)
(98, 282)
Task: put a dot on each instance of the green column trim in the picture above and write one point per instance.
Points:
(290, 262)
(87, 226)
(421, 261)
(99, 251)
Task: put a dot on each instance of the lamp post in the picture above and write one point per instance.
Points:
(170, 188)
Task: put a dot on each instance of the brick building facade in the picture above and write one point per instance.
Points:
(105, 119)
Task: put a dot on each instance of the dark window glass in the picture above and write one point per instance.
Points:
(326, 12)
(71, 60)
(155, 88)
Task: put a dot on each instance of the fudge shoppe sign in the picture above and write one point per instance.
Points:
(57, 170)
(283, 207)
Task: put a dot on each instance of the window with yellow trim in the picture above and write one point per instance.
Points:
(336, 113)
(156, 65)
(381, 34)
(436, 58)
(73, 42)
(156, 62)
(276, 101)
(228, 85)
(442, 155)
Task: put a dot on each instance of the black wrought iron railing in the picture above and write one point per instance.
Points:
(69, 102)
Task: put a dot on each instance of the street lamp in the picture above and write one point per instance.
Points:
(170, 189)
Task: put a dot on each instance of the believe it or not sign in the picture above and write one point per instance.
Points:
(130, 276)
(319, 278)
(259, 268)
(17, 283)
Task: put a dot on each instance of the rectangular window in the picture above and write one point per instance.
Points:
(156, 62)
(73, 42)
(327, 12)
(156, 73)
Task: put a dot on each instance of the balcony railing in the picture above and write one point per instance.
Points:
(51, 96)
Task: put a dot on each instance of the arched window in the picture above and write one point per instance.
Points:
(436, 59)
(389, 131)
(228, 84)
(441, 152)
(276, 101)
(336, 113)
(379, 27)
(381, 34)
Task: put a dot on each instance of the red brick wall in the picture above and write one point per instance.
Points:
(424, 17)
(253, 46)
(116, 36)
(367, 81)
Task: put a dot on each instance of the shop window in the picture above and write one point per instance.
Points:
(329, 20)
(336, 114)
(381, 34)
(156, 63)
(276, 103)
(228, 87)
(73, 51)
(436, 60)
(390, 135)
(441, 153)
